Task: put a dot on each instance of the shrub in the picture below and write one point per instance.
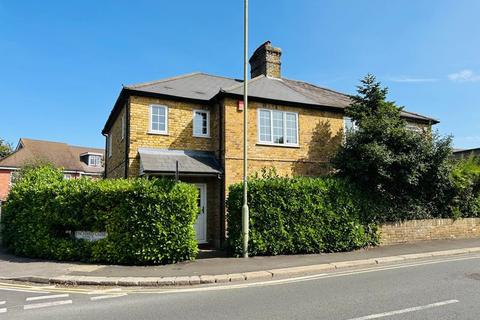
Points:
(298, 215)
(466, 180)
(408, 171)
(147, 221)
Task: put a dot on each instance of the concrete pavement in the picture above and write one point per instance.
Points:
(223, 270)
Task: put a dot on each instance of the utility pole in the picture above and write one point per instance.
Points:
(245, 213)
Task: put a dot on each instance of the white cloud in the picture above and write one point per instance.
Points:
(466, 75)
(412, 80)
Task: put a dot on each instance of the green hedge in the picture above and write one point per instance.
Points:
(466, 181)
(299, 215)
(147, 221)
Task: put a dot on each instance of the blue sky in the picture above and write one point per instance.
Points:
(62, 63)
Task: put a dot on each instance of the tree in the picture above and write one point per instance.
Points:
(5, 148)
(407, 171)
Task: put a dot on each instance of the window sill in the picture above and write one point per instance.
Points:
(265, 144)
(200, 136)
(158, 133)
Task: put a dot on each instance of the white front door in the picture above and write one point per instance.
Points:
(201, 224)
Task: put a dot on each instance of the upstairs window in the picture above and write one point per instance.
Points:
(277, 127)
(349, 125)
(201, 123)
(94, 160)
(158, 119)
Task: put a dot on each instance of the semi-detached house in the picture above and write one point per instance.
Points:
(194, 122)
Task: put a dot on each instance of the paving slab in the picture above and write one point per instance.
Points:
(222, 278)
(258, 275)
(236, 277)
(354, 263)
(166, 281)
(194, 280)
(207, 279)
(182, 281)
(283, 272)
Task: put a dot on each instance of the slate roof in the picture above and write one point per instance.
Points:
(290, 91)
(61, 155)
(154, 160)
(204, 87)
(460, 153)
(199, 86)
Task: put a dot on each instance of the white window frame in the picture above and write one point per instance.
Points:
(207, 112)
(354, 125)
(109, 145)
(285, 144)
(123, 127)
(150, 130)
(91, 156)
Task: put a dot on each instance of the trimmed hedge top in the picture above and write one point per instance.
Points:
(147, 221)
(299, 215)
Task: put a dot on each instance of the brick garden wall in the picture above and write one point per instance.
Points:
(431, 229)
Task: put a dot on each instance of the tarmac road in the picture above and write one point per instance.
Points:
(436, 288)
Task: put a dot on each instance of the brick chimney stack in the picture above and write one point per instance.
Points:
(266, 60)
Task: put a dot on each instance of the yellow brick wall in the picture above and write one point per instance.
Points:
(180, 128)
(320, 134)
(420, 125)
(116, 163)
(431, 229)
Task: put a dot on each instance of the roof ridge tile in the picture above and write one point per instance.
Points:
(236, 86)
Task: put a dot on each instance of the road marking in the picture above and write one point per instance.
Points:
(105, 291)
(413, 309)
(108, 296)
(55, 296)
(3, 302)
(46, 304)
(243, 285)
(400, 266)
(3, 310)
(300, 279)
(39, 288)
(23, 290)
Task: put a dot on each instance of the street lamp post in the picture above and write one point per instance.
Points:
(245, 213)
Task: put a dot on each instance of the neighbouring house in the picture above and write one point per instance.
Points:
(75, 161)
(194, 122)
(465, 153)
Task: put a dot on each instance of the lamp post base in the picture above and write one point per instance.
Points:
(245, 227)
